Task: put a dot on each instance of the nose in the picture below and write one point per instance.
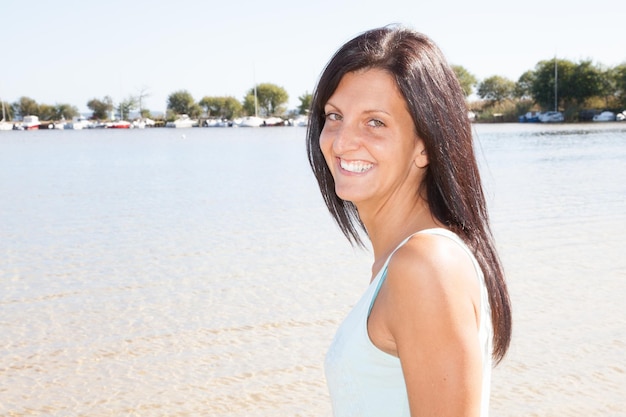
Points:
(346, 139)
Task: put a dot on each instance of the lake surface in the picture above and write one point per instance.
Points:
(166, 272)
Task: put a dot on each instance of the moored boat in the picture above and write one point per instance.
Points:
(118, 124)
(60, 124)
(249, 121)
(4, 125)
(217, 123)
(273, 121)
(530, 117)
(301, 121)
(182, 121)
(605, 116)
(143, 123)
(551, 117)
(78, 123)
(30, 123)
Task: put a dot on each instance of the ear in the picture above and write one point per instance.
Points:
(421, 158)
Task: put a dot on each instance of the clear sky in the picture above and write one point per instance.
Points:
(66, 51)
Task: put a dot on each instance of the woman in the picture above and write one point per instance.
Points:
(390, 144)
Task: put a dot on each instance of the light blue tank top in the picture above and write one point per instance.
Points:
(364, 381)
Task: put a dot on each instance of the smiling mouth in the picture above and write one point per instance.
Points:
(355, 166)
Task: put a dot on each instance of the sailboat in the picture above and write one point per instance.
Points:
(251, 121)
(553, 116)
(4, 125)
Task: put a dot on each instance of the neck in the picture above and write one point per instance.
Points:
(389, 225)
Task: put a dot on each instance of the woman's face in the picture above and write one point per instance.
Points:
(369, 140)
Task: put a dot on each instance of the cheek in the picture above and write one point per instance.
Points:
(326, 144)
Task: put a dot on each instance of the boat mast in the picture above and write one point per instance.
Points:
(556, 77)
(256, 111)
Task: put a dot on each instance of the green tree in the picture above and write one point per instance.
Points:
(251, 105)
(221, 107)
(46, 112)
(25, 106)
(305, 103)
(575, 83)
(543, 88)
(182, 102)
(619, 74)
(211, 105)
(101, 108)
(65, 111)
(586, 82)
(125, 107)
(524, 85)
(466, 79)
(232, 108)
(270, 100)
(496, 89)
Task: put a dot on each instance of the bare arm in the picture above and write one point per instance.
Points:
(429, 307)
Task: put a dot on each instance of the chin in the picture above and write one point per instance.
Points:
(350, 196)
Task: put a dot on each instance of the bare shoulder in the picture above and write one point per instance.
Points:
(436, 271)
(429, 255)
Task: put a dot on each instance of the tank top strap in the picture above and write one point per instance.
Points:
(457, 239)
(382, 275)
(434, 231)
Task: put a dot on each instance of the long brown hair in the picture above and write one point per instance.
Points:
(452, 181)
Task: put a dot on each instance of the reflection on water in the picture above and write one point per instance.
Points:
(146, 274)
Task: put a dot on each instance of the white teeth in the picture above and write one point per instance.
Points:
(356, 166)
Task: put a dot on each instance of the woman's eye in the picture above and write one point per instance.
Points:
(375, 123)
(333, 116)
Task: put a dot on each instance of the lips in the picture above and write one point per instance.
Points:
(356, 167)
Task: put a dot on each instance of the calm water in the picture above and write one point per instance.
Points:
(195, 272)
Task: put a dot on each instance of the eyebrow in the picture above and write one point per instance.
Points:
(369, 111)
(377, 111)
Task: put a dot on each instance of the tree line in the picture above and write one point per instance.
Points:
(265, 100)
(572, 87)
(578, 89)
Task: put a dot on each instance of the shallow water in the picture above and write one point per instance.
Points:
(196, 272)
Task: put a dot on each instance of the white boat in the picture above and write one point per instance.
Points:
(273, 121)
(30, 123)
(249, 121)
(143, 123)
(551, 117)
(605, 116)
(216, 123)
(300, 121)
(4, 125)
(78, 123)
(60, 124)
(119, 124)
(182, 121)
